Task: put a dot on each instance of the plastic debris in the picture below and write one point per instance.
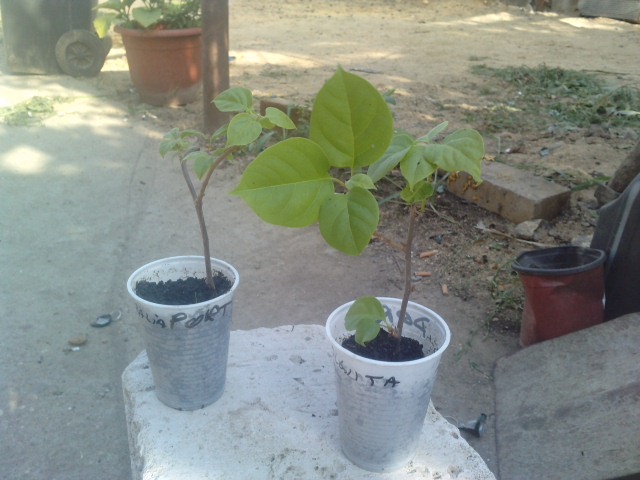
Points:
(106, 319)
(475, 427)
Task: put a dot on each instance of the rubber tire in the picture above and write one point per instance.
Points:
(80, 53)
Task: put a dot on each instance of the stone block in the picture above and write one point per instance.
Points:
(514, 194)
(277, 419)
(568, 407)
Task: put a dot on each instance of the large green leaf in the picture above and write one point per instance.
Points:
(234, 100)
(351, 121)
(287, 183)
(462, 151)
(399, 147)
(348, 221)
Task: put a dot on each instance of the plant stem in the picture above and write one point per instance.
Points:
(413, 213)
(198, 198)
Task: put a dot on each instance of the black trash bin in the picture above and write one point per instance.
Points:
(51, 37)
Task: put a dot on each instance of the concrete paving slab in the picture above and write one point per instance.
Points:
(277, 419)
(568, 407)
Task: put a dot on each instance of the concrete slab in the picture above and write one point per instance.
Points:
(568, 407)
(277, 419)
(513, 194)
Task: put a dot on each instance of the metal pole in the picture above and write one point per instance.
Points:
(215, 61)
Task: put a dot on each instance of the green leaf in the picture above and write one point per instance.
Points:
(351, 121)
(361, 180)
(146, 16)
(202, 162)
(399, 147)
(415, 166)
(177, 141)
(279, 118)
(348, 221)
(243, 129)
(266, 123)
(236, 99)
(433, 133)
(102, 23)
(418, 194)
(287, 183)
(463, 151)
(364, 316)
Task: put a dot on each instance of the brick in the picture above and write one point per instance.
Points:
(514, 194)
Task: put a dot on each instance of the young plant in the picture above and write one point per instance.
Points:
(205, 154)
(297, 182)
(148, 15)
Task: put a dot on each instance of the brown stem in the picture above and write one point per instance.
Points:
(413, 213)
(198, 198)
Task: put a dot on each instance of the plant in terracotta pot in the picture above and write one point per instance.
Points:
(186, 302)
(328, 179)
(163, 43)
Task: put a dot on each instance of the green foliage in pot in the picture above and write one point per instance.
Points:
(200, 155)
(148, 15)
(299, 182)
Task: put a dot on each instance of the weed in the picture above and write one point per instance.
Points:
(507, 293)
(30, 112)
(542, 95)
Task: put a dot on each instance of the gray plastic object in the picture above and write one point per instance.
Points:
(618, 234)
(32, 29)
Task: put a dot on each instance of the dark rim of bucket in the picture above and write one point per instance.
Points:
(558, 261)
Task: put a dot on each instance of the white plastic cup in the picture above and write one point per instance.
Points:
(187, 345)
(382, 405)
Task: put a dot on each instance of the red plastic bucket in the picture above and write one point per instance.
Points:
(564, 291)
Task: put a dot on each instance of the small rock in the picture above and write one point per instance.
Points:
(77, 341)
(527, 230)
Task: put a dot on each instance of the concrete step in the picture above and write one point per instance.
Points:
(569, 408)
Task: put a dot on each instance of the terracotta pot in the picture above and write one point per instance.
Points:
(165, 65)
(563, 290)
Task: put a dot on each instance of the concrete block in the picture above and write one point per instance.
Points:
(276, 420)
(619, 9)
(513, 194)
(568, 407)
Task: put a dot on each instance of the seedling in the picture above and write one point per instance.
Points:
(204, 155)
(297, 182)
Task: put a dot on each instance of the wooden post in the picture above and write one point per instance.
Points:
(215, 61)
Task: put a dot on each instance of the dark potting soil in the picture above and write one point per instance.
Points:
(383, 348)
(185, 291)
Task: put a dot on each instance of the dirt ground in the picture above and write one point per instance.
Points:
(426, 52)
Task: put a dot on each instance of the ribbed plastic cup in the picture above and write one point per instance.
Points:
(187, 345)
(564, 291)
(382, 405)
